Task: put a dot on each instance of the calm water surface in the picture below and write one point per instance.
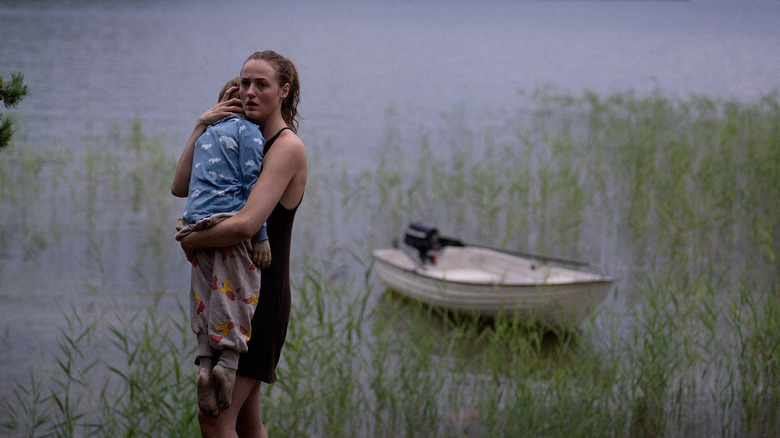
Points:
(93, 67)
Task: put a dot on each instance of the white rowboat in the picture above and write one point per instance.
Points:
(491, 283)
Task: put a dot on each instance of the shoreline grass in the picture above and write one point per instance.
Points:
(678, 199)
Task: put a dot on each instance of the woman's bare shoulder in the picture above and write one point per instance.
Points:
(289, 145)
(291, 138)
(287, 166)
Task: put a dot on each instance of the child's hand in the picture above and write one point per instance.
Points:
(261, 254)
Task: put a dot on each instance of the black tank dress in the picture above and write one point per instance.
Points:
(272, 314)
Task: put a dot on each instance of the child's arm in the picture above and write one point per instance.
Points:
(261, 249)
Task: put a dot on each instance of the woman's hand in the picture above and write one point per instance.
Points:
(261, 254)
(189, 251)
(224, 108)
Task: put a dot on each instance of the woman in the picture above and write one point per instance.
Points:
(269, 94)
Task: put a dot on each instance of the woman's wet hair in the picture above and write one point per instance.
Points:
(286, 73)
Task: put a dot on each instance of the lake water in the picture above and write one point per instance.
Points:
(165, 61)
(94, 67)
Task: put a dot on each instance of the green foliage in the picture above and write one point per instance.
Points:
(678, 199)
(11, 94)
(136, 381)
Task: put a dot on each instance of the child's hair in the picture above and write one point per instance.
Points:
(235, 82)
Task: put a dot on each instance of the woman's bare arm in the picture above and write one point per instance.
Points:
(283, 179)
(181, 178)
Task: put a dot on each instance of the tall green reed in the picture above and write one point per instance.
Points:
(676, 198)
(687, 193)
(116, 375)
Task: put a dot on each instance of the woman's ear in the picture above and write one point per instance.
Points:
(285, 90)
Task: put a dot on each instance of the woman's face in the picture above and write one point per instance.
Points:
(260, 92)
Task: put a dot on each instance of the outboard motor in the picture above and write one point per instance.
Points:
(425, 239)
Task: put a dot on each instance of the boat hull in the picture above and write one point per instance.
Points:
(491, 283)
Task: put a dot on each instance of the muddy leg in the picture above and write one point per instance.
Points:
(224, 378)
(207, 397)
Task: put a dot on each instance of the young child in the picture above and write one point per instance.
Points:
(225, 283)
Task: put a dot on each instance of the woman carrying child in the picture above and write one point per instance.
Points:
(269, 95)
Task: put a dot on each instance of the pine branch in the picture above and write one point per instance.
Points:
(12, 93)
(6, 131)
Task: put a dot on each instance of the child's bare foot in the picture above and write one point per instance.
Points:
(224, 379)
(207, 396)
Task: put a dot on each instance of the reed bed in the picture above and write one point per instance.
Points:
(679, 199)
